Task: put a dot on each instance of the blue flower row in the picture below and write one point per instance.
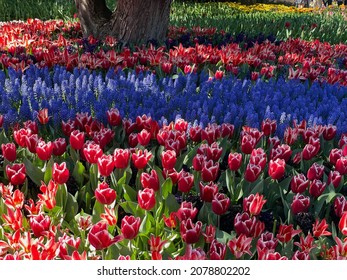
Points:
(194, 97)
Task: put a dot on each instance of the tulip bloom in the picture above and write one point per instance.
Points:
(343, 223)
(340, 206)
(144, 137)
(210, 171)
(317, 187)
(16, 173)
(207, 192)
(316, 171)
(253, 204)
(300, 203)
(252, 172)
(334, 155)
(209, 234)
(268, 127)
(185, 181)
(168, 159)
(43, 116)
(100, 238)
(104, 194)
(77, 139)
(217, 250)
(60, 173)
(150, 180)
(59, 146)
(171, 221)
(121, 158)
(105, 165)
(220, 203)
(9, 151)
(190, 232)
(299, 183)
(334, 178)
(277, 169)
(341, 165)
(130, 227)
(186, 211)
(240, 246)
(92, 152)
(234, 161)
(40, 224)
(113, 117)
(141, 158)
(248, 144)
(44, 150)
(286, 233)
(146, 199)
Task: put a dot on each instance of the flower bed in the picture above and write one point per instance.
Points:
(171, 191)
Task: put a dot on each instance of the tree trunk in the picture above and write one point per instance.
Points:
(132, 21)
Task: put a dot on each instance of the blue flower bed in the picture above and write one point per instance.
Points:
(193, 97)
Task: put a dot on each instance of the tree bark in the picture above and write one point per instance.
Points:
(132, 21)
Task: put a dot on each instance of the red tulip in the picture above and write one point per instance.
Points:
(146, 198)
(209, 234)
(286, 233)
(334, 155)
(100, 238)
(316, 171)
(234, 161)
(130, 227)
(210, 171)
(253, 204)
(277, 169)
(248, 144)
(190, 232)
(20, 136)
(240, 245)
(141, 158)
(244, 224)
(31, 142)
(281, 151)
(77, 139)
(340, 206)
(341, 165)
(104, 194)
(144, 137)
(343, 223)
(299, 183)
(9, 151)
(150, 180)
(195, 133)
(290, 135)
(220, 203)
(300, 203)
(59, 146)
(268, 127)
(186, 211)
(40, 224)
(334, 178)
(16, 173)
(267, 240)
(171, 221)
(329, 132)
(309, 151)
(217, 250)
(113, 117)
(43, 116)
(92, 152)
(252, 172)
(208, 191)
(185, 181)
(44, 150)
(168, 159)
(60, 173)
(198, 162)
(105, 165)
(1, 120)
(317, 187)
(319, 228)
(121, 158)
